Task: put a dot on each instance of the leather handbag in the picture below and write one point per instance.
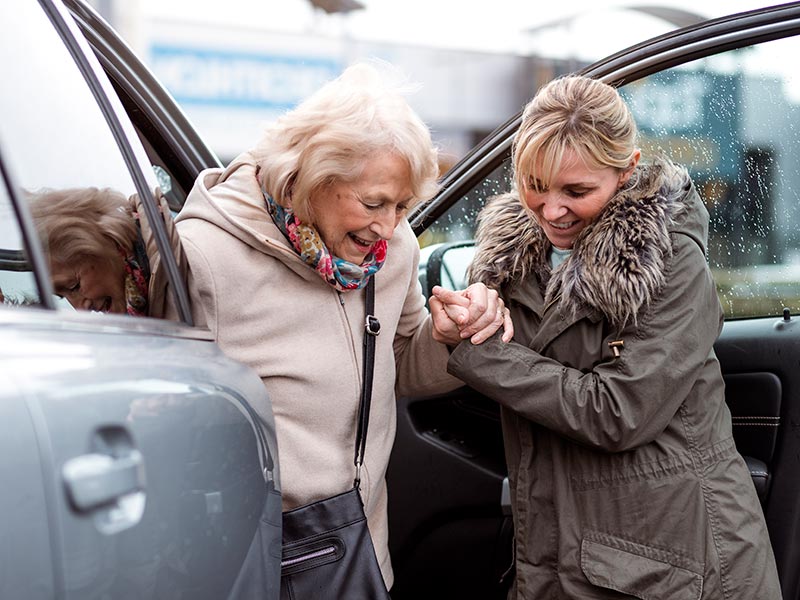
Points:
(327, 548)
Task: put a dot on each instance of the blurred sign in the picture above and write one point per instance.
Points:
(239, 79)
(692, 116)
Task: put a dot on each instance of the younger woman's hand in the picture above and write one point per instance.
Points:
(476, 313)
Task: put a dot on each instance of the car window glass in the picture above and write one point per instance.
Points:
(17, 284)
(731, 119)
(459, 221)
(70, 169)
(444, 239)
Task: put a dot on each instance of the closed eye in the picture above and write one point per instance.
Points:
(576, 193)
(399, 208)
(64, 290)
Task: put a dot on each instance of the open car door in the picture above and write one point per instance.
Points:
(722, 99)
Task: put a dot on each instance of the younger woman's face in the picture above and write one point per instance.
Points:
(575, 197)
(92, 283)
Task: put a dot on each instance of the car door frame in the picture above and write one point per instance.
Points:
(146, 101)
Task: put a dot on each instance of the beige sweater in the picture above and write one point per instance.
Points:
(269, 310)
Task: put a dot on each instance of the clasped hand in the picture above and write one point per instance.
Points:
(475, 313)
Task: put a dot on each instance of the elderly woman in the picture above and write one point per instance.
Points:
(625, 480)
(281, 244)
(102, 256)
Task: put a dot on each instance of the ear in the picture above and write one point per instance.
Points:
(626, 174)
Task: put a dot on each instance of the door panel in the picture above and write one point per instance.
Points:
(152, 460)
(26, 551)
(755, 401)
(445, 489)
(766, 353)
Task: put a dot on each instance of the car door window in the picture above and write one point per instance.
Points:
(445, 238)
(69, 168)
(731, 119)
(17, 283)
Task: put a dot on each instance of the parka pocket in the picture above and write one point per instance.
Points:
(638, 570)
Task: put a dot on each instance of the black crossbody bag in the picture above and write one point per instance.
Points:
(327, 548)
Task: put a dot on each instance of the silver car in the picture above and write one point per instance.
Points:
(133, 463)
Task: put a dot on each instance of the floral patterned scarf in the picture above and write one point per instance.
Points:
(137, 277)
(308, 244)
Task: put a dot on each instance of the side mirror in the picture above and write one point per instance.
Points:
(445, 265)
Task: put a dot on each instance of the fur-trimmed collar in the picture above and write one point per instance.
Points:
(617, 265)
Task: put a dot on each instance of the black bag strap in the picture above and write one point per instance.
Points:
(372, 327)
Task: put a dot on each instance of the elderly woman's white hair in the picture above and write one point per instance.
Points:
(77, 223)
(327, 138)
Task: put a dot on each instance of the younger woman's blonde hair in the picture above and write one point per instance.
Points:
(328, 137)
(572, 113)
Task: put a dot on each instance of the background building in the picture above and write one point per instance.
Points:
(236, 66)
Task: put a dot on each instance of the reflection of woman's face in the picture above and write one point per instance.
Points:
(575, 197)
(351, 217)
(92, 284)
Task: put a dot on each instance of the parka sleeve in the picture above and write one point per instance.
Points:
(421, 361)
(623, 402)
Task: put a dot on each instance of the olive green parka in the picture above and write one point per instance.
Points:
(625, 480)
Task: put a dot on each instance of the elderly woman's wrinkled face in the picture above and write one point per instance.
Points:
(351, 217)
(574, 198)
(92, 283)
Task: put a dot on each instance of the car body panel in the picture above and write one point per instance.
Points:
(93, 388)
(28, 569)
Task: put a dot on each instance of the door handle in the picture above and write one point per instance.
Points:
(95, 479)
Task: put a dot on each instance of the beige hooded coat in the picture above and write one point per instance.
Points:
(625, 480)
(273, 312)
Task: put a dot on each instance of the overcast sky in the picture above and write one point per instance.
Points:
(506, 25)
(581, 28)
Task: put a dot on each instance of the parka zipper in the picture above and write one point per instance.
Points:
(349, 332)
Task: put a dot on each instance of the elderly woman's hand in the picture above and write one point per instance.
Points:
(476, 313)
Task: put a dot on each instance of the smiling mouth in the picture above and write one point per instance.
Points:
(361, 242)
(562, 225)
(103, 308)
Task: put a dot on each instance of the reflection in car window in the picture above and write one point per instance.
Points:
(731, 119)
(17, 283)
(95, 248)
(55, 145)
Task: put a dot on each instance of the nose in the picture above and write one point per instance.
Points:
(79, 301)
(384, 224)
(552, 208)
